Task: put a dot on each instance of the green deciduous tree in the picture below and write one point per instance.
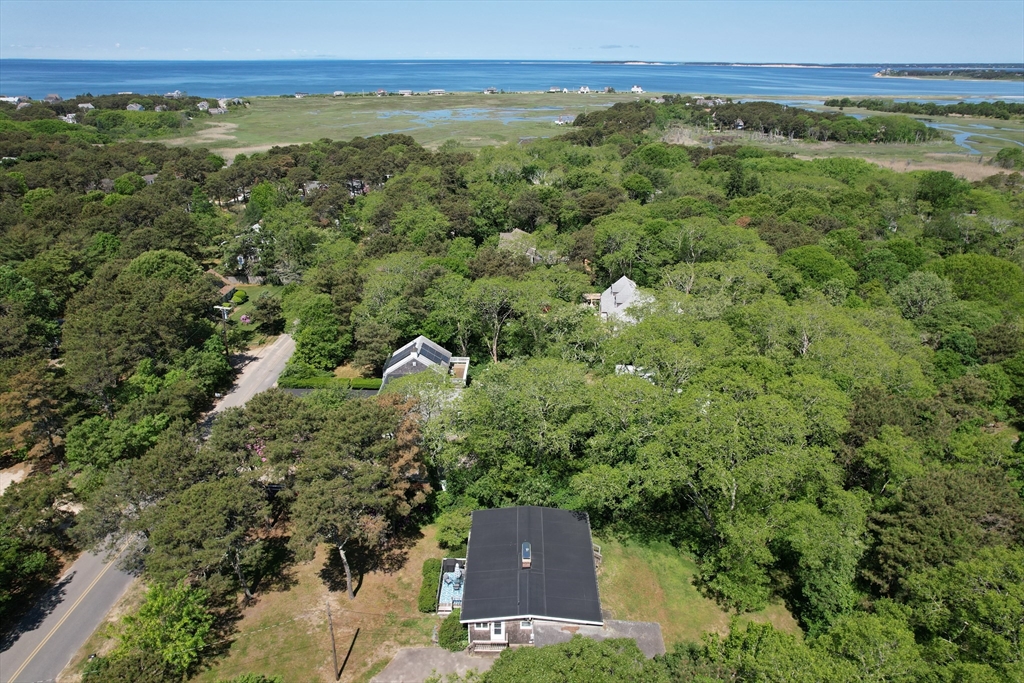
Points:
(172, 622)
(581, 660)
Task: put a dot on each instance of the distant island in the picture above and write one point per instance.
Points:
(972, 74)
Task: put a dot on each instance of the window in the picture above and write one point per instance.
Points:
(526, 624)
(481, 626)
(497, 628)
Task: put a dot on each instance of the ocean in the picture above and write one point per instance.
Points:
(38, 78)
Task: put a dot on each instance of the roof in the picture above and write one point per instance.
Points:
(619, 297)
(561, 583)
(416, 356)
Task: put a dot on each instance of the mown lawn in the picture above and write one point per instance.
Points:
(655, 583)
(286, 632)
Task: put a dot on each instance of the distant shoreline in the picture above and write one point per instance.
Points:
(216, 79)
(951, 78)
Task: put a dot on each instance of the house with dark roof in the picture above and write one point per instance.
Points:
(530, 578)
(422, 354)
(527, 564)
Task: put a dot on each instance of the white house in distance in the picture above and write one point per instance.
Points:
(584, 90)
(636, 90)
(617, 299)
(421, 354)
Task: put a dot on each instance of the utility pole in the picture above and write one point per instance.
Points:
(334, 648)
(224, 311)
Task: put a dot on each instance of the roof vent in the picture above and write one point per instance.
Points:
(527, 555)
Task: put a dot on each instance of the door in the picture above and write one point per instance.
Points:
(498, 631)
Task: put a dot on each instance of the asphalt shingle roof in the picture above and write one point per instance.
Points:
(561, 583)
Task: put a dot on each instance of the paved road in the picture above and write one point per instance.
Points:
(259, 374)
(62, 621)
(67, 615)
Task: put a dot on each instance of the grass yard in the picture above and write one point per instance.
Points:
(474, 119)
(655, 583)
(286, 632)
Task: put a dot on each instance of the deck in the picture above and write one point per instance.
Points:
(453, 574)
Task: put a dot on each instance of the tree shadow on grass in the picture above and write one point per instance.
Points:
(388, 559)
(274, 568)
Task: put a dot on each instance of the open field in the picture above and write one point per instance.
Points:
(655, 583)
(477, 120)
(938, 155)
(474, 119)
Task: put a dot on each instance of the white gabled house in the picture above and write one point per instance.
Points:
(617, 300)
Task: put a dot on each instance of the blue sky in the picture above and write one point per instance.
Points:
(736, 31)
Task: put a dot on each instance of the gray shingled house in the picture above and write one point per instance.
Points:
(421, 354)
(530, 578)
(524, 565)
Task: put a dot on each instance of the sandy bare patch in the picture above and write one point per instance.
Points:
(14, 474)
(229, 153)
(221, 131)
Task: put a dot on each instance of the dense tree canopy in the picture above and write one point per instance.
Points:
(818, 398)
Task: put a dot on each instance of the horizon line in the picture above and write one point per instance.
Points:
(607, 62)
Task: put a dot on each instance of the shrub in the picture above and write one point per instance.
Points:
(240, 297)
(427, 601)
(452, 635)
(453, 528)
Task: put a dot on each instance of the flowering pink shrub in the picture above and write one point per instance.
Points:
(245, 319)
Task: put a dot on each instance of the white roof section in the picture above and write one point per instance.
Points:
(616, 300)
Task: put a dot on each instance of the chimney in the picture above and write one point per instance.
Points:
(527, 555)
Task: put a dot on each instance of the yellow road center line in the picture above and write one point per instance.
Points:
(66, 615)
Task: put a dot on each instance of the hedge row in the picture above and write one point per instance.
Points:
(427, 600)
(328, 383)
